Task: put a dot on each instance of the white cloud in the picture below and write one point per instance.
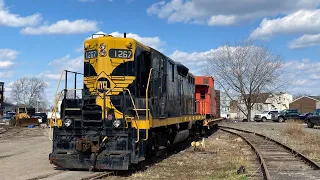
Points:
(49, 76)
(63, 27)
(61, 64)
(222, 20)
(154, 42)
(300, 22)
(67, 63)
(194, 60)
(6, 74)
(306, 73)
(306, 40)
(227, 12)
(7, 56)
(6, 64)
(15, 20)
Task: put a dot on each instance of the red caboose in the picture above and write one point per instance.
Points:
(206, 98)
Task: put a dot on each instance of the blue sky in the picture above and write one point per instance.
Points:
(41, 38)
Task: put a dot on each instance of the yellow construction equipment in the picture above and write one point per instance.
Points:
(25, 117)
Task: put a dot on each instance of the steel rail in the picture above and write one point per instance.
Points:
(294, 152)
(265, 171)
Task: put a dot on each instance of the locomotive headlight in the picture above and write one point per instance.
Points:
(67, 122)
(116, 123)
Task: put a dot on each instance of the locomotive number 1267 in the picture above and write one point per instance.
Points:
(120, 53)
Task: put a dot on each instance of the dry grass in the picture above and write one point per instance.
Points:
(306, 142)
(221, 159)
(294, 128)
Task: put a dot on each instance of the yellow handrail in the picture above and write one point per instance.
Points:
(147, 105)
(147, 90)
(54, 112)
(55, 102)
(134, 106)
(138, 135)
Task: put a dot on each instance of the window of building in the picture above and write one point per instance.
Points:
(1, 88)
(202, 95)
(205, 80)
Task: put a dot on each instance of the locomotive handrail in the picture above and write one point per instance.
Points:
(147, 104)
(54, 112)
(56, 102)
(134, 106)
(147, 90)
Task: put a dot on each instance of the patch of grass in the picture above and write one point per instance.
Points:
(294, 128)
(222, 157)
(306, 142)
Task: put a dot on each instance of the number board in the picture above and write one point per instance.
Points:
(91, 54)
(120, 53)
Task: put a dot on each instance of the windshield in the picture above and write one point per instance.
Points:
(265, 112)
(284, 111)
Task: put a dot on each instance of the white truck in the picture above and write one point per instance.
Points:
(264, 116)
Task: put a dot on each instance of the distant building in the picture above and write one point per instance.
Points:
(224, 105)
(8, 107)
(264, 102)
(306, 104)
(1, 98)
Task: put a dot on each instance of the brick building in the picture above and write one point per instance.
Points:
(306, 104)
(1, 98)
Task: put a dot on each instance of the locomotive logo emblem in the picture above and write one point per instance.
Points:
(104, 84)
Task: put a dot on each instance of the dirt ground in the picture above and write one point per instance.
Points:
(293, 134)
(223, 155)
(24, 155)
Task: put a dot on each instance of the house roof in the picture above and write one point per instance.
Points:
(316, 98)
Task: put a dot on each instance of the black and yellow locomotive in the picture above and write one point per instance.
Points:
(135, 101)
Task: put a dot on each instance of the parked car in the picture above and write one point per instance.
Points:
(304, 116)
(285, 115)
(313, 119)
(42, 117)
(6, 118)
(10, 114)
(264, 116)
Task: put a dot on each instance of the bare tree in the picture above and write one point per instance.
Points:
(70, 95)
(245, 70)
(29, 91)
(298, 95)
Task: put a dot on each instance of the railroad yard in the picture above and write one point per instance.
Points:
(24, 155)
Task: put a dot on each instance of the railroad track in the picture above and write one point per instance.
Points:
(277, 160)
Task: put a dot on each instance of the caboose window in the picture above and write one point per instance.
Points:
(202, 95)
